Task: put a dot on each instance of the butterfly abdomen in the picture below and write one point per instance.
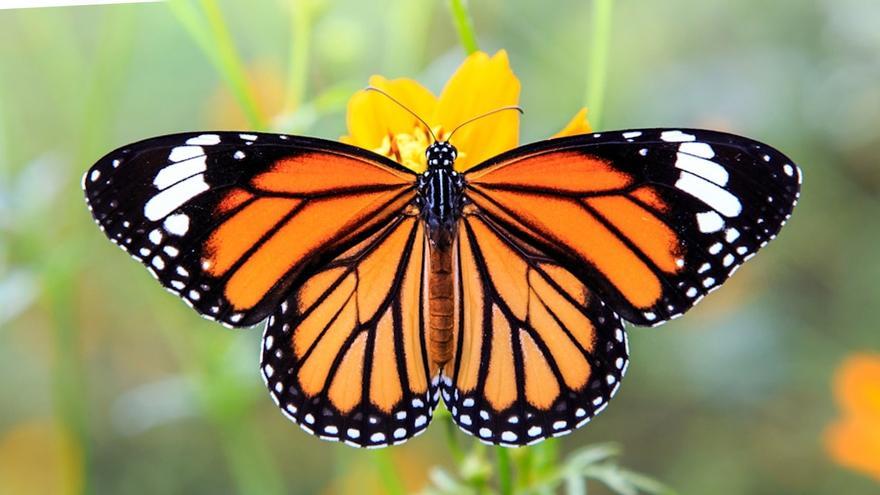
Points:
(440, 306)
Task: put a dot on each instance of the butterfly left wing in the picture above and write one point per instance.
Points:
(650, 220)
(231, 221)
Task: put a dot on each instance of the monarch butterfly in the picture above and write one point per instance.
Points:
(503, 289)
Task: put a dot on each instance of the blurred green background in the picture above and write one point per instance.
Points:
(108, 384)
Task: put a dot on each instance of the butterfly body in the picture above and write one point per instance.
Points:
(502, 288)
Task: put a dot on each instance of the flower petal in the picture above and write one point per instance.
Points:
(481, 84)
(371, 117)
(577, 125)
(857, 386)
(855, 444)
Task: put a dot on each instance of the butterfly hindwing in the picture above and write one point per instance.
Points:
(229, 221)
(345, 355)
(651, 220)
(538, 354)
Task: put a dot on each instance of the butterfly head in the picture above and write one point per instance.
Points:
(441, 155)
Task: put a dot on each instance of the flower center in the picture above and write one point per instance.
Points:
(408, 149)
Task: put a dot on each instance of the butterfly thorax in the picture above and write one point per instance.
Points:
(440, 194)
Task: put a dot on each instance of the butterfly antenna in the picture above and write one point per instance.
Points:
(478, 117)
(386, 95)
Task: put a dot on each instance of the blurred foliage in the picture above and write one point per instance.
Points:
(113, 386)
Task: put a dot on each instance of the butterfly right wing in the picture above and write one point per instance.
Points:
(344, 356)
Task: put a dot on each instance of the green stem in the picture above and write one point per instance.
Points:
(390, 479)
(451, 434)
(211, 34)
(598, 63)
(464, 25)
(68, 373)
(505, 471)
(298, 63)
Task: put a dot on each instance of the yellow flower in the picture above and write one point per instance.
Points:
(481, 84)
(854, 439)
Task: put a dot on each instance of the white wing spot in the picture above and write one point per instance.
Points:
(174, 197)
(177, 224)
(788, 169)
(709, 221)
(182, 153)
(707, 169)
(632, 134)
(95, 175)
(731, 234)
(181, 170)
(702, 150)
(716, 197)
(676, 136)
(204, 139)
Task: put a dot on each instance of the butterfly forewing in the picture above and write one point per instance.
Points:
(651, 220)
(229, 221)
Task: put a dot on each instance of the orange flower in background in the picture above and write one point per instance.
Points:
(853, 440)
(481, 84)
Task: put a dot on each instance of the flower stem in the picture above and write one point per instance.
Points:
(505, 471)
(598, 63)
(210, 32)
(301, 12)
(464, 25)
(390, 479)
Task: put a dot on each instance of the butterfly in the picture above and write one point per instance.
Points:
(503, 289)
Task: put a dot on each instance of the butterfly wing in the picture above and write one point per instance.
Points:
(650, 220)
(562, 238)
(230, 221)
(538, 354)
(345, 354)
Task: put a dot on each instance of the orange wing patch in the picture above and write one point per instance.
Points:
(563, 171)
(583, 207)
(308, 174)
(272, 236)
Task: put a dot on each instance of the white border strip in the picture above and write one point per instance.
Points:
(28, 4)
